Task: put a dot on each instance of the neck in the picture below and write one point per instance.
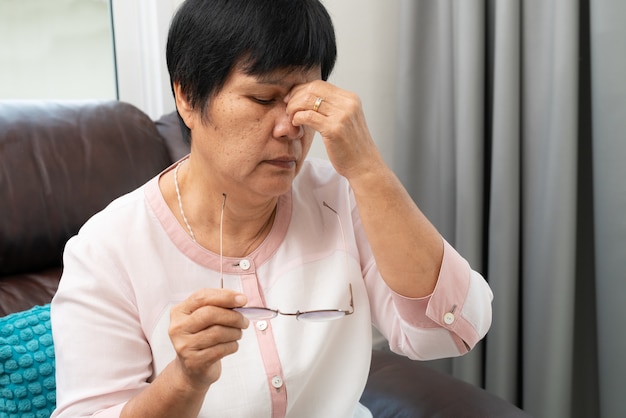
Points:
(246, 235)
(245, 224)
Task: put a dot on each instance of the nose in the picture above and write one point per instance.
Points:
(284, 129)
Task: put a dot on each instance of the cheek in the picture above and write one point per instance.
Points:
(235, 132)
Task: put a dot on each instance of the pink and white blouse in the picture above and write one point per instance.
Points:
(133, 261)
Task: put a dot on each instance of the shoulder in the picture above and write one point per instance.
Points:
(117, 220)
(118, 211)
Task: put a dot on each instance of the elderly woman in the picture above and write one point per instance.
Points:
(243, 281)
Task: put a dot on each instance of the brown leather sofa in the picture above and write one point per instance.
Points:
(60, 162)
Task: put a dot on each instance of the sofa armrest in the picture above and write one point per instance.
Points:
(399, 387)
(22, 291)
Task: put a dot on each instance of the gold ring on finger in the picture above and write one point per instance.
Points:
(317, 103)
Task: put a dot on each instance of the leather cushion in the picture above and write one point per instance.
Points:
(61, 163)
(22, 291)
(402, 388)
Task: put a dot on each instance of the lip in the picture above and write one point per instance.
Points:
(285, 162)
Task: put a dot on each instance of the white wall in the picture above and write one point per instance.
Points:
(367, 42)
(367, 45)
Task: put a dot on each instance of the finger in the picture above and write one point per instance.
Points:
(311, 96)
(205, 317)
(301, 111)
(208, 316)
(310, 118)
(339, 106)
(218, 352)
(204, 365)
(224, 298)
(205, 339)
(217, 334)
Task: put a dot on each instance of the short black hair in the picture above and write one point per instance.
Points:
(208, 38)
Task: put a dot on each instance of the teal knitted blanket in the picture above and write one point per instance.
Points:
(27, 381)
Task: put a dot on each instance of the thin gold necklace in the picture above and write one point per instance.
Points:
(180, 201)
(193, 237)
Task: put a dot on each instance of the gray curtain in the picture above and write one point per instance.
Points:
(512, 139)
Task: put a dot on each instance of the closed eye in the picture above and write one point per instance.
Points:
(263, 101)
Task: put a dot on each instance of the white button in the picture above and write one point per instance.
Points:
(244, 264)
(261, 325)
(277, 382)
(448, 318)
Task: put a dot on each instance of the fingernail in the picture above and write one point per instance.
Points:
(240, 300)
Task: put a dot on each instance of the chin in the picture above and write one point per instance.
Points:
(277, 188)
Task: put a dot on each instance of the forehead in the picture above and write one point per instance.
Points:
(286, 79)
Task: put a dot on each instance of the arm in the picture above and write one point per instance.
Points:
(407, 247)
(425, 298)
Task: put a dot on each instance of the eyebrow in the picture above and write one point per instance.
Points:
(274, 81)
(281, 79)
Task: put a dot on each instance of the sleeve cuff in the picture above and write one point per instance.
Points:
(443, 308)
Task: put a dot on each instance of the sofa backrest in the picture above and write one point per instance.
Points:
(61, 162)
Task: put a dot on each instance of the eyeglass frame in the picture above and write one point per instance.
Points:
(273, 313)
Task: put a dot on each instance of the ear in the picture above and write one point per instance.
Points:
(185, 110)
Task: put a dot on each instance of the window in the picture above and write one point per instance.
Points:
(57, 49)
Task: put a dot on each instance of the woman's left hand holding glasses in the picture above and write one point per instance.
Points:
(204, 328)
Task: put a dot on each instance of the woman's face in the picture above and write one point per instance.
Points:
(247, 143)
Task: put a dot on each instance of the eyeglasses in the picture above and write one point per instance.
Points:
(257, 313)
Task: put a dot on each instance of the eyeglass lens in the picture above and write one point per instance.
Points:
(257, 314)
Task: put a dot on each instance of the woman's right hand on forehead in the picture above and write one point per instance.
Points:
(338, 116)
